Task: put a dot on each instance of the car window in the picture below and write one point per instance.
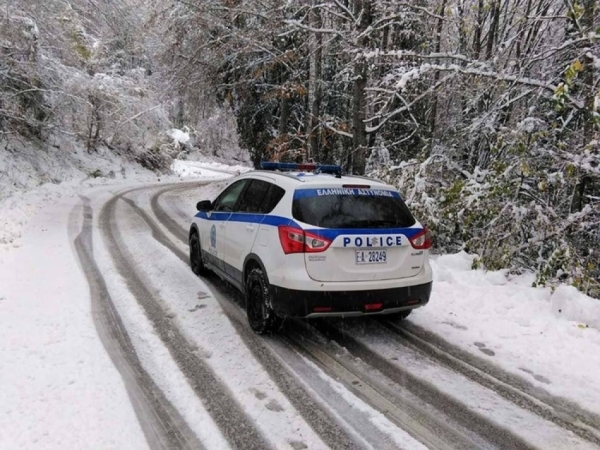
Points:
(351, 208)
(253, 196)
(272, 198)
(228, 199)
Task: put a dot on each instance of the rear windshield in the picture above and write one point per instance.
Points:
(351, 208)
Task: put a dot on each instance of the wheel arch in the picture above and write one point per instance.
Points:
(252, 261)
(194, 229)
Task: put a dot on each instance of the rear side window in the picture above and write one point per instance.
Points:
(260, 197)
(253, 197)
(272, 199)
(351, 208)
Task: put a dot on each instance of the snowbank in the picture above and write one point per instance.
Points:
(33, 178)
(550, 338)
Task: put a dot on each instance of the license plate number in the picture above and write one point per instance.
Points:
(371, 256)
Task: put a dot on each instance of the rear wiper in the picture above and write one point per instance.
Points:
(386, 224)
(376, 223)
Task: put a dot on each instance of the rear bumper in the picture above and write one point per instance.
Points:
(296, 303)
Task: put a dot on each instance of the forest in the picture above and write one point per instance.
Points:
(485, 113)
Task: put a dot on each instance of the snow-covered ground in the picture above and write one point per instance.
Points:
(552, 339)
(59, 388)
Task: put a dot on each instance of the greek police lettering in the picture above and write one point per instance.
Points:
(336, 191)
(345, 191)
(375, 192)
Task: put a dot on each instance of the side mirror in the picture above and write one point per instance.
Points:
(204, 205)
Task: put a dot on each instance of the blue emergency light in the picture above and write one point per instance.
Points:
(295, 167)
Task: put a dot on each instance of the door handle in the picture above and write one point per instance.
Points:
(249, 228)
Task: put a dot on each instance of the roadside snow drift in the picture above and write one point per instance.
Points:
(551, 339)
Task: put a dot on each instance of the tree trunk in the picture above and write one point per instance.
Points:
(436, 76)
(383, 68)
(493, 30)
(478, 28)
(314, 88)
(587, 23)
(588, 81)
(284, 114)
(362, 9)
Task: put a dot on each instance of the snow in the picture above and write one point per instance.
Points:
(550, 339)
(179, 136)
(54, 370)
(153, 353)
(196, 311)
(196, 168)
(59, 388)
(32, 179)
(379, 421)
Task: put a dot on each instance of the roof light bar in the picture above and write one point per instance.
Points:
(321, 168)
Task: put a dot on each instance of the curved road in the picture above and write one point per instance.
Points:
(320, 384)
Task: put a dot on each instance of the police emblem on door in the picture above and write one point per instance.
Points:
(213, 236)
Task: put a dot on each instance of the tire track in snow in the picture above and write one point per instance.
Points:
(335, 436)
(370, 391)
(236, 427)
(513, 388)
(456, 418)
(496, 435)
(163, 426)
(436, 433)
(531, 429)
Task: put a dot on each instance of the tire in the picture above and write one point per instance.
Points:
(196, 262)
(394, 317)
(402, 315)
(261, 317)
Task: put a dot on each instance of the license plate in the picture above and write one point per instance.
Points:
(371, 256)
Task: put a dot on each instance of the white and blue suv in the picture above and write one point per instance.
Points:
(310, 242)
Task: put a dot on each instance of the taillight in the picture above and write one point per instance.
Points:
(421, 241)
(295, 240)
(292, 240)
(315, 244)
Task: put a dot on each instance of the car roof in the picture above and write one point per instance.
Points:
(292, 180)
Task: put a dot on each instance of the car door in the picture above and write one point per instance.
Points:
(213, 234)
(243, 225)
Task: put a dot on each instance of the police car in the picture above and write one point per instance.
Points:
(302, 240)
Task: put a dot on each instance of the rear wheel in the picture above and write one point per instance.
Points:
(402, 315)
(394, 317)
(261, 317)
(196, 263)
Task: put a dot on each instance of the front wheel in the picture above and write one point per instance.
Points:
(261, 317)
(196, 263)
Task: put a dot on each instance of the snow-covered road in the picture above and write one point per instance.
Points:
(108, 340)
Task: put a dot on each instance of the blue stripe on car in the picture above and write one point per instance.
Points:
(263, 219)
